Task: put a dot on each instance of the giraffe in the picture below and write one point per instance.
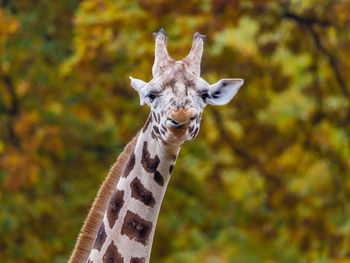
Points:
(122, 221)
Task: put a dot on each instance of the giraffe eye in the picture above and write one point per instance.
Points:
(151, 96)
(205, 96)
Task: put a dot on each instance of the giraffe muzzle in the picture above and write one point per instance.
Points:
(180, 118)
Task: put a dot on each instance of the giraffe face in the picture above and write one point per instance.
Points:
(177, 94)
(177, 99)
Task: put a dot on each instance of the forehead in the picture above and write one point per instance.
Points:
(177, 78)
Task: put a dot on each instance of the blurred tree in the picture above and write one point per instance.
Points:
(267, 180)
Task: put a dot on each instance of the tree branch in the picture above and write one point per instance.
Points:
(319, 115)
(332, 62)
(12, 110)
(14, 105)
(310, 22)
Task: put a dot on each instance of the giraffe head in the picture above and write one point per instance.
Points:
(177, 94)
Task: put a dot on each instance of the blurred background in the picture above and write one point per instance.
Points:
(266, 180)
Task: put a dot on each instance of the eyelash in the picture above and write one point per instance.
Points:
(151, 96)
(205, 96)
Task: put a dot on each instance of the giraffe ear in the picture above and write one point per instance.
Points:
(223, 91)
(140, 87)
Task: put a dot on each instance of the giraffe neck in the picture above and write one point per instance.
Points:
(129, 223)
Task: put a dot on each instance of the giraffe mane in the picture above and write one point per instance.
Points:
(90, 228)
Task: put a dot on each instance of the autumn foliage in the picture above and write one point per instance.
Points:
(266, 180)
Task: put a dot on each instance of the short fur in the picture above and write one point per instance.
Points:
(90, 228)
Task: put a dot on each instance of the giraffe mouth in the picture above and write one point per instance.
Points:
(174, 124)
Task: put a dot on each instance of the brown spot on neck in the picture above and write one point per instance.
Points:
(101, 237)
(115, 204)
(137, 260)
(158, 178)
(130, 165)
(195, 132)
(112, 255)
(154, 137)
(151, 164)
(139, 192)
(171, 167)
(154, 116)
(155, 128)
(147, 123)
(136, 228)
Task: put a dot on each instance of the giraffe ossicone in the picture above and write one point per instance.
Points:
(121, 224)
